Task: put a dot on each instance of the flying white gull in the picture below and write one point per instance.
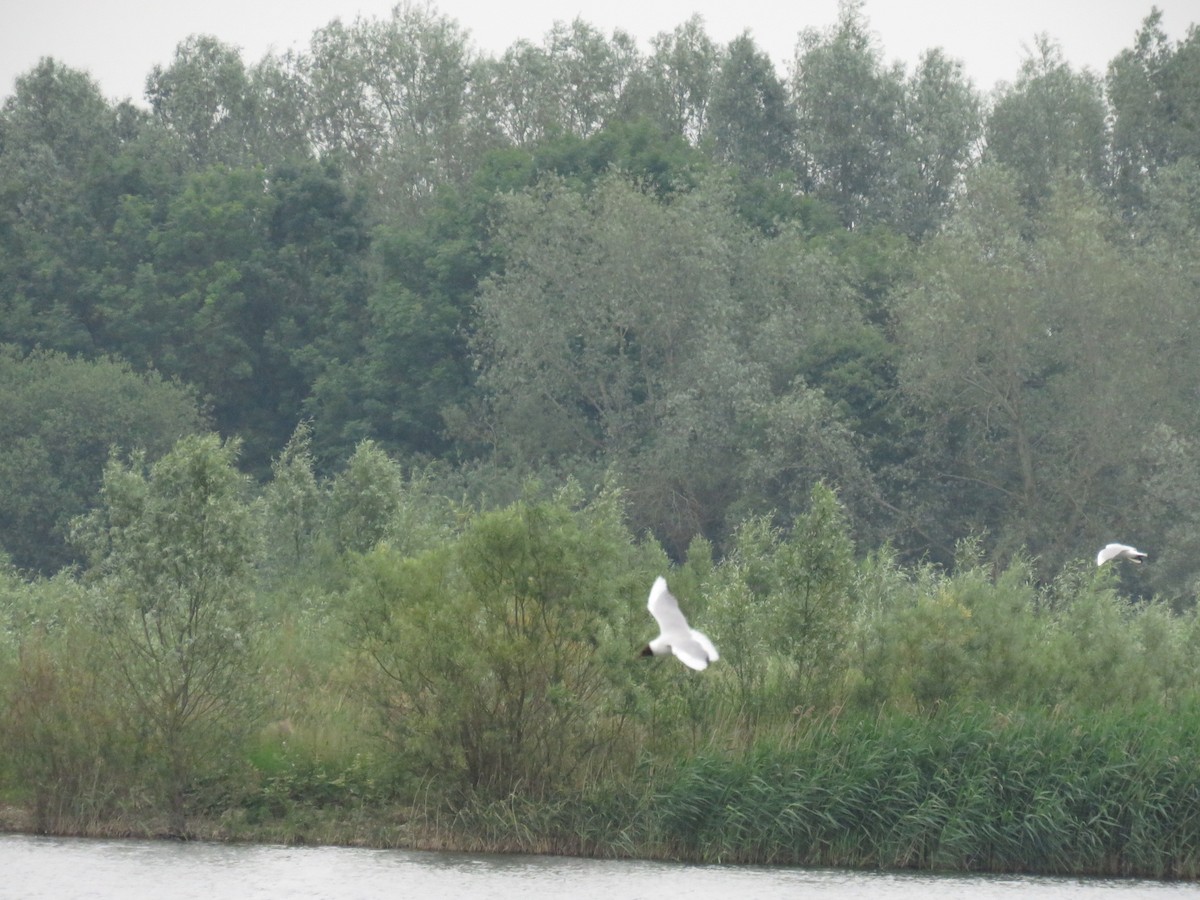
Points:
(692, 647)
(1119, 551)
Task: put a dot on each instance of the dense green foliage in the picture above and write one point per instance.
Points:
(717, 283)
(471, 678)
(62, 416)
(170, 552)
(871, 363)
(967, 791)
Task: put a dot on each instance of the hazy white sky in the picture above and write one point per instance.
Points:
(119, 41)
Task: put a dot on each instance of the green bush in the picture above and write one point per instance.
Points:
(504, 657)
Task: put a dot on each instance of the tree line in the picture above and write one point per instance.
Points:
(719, 284)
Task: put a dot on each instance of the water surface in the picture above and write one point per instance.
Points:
(32, 868)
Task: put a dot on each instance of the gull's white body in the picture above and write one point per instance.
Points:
(1119, 551)
(690, 646)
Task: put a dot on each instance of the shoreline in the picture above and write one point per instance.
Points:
(346, 832)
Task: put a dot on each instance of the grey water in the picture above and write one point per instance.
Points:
(32, 868)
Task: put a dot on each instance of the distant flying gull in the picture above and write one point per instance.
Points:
(692, 647)
(1119, 551)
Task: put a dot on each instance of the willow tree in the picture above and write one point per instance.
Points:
(171, 547)
(1039, 385)
(504, 658)
(657, 339)
(609, 341)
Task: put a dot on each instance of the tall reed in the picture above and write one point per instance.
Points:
(964, 790)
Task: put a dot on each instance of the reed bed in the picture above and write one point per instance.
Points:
(972, 791)
(964, 790)
(977, 791)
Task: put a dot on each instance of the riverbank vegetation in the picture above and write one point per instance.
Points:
(354, 398)
(473, 680)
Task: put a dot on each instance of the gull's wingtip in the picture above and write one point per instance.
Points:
(657, 590)
(699, 663)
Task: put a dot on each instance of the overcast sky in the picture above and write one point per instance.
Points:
(119, 41)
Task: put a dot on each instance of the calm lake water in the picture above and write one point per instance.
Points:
(32, 868)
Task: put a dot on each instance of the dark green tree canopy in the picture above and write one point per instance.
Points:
(672, 264)
(62, 417)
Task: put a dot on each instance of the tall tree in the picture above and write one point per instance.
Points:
(281, 127)
(876, 146)
(751, 124)
(681, 73)
(1153, 88)
(575, 83)
(590, 74)
(205, 98)
(57, 139)
(515, 97)
(388, 100)
(849, 111)
(1050, 125)
(942, 127)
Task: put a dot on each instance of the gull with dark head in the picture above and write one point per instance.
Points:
(1119, 551)
(690, 646)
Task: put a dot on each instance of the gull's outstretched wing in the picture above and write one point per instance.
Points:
(691, 647)
(1119, 551)
(665, 609)
(704, 642)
